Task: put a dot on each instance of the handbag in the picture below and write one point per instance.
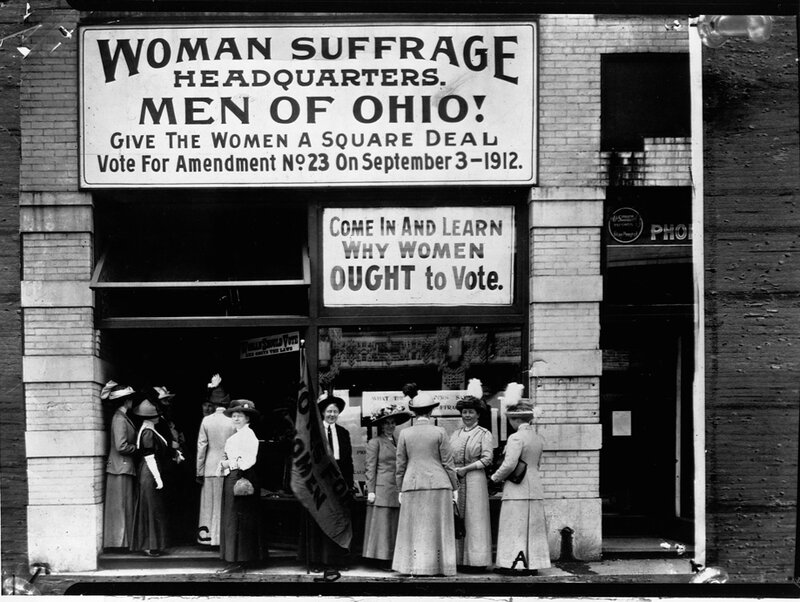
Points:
(460, 527)
(243, 487)
(518, 473)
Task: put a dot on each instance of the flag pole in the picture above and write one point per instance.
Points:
(306, 513)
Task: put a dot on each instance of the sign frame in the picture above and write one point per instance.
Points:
(399, 178)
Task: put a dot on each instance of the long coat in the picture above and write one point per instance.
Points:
(123, 445)
(214, 432)
(424, 459)
(426, 476)
(381, 464)
(522, 534)
(527, 445)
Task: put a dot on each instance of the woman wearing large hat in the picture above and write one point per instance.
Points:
(240, 542)
(215, 429)
(522, 536)
(426, 478)
(150, 519)
(120, 497)
(383, 507)
(473, 451)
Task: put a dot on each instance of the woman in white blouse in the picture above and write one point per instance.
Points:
(240, 531)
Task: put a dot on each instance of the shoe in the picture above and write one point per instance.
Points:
(153, 553)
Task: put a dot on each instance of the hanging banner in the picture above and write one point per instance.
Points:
(274, 344)
(417, 256)
(307, 105)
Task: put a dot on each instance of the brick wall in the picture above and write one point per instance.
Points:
(56, 256)
(752, 188)
(49, 116)
(569, 87)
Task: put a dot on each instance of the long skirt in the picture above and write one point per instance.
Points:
(425, 534)
(118, 511)
(240, 533)
(522, 536)
(380, 532)
(208, 524)
(317, 549)
(475, 549)
(150, 517)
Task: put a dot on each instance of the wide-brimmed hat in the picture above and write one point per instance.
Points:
(163, 393)
(146, 409)
(325, 400)
(522, 409)
(113, 391)
(422, 401)
(396, 411)
(242, 405)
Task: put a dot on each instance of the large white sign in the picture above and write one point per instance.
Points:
(417, 256)
(307, 105)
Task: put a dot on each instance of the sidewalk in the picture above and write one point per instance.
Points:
(286, 576)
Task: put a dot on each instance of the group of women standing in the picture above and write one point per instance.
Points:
(415, 480)
(139, 454)
(135, 513)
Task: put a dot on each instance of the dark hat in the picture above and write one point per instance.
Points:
(396, 411)
(325, 400)
(422, 401)
(217, 394)
(242, 405)
(469, 402)
(146, 409)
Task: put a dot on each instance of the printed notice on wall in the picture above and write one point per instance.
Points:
(307, 105)
(417, 256)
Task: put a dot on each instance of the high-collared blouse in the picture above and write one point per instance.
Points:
(473, 445)
(242, 448)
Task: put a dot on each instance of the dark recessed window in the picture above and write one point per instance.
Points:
(643, 96)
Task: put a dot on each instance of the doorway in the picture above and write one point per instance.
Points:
(184, 360)
(646, 463)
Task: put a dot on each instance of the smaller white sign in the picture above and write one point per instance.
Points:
(621, 424)
(273, 344)
(374, 400)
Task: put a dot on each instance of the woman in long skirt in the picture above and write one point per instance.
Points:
(426, 478)
(240, 542)
(150, 518)
(383, 508)
(473, 450)
(522, 537)
(120, 496)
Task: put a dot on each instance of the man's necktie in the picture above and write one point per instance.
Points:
(330, 438)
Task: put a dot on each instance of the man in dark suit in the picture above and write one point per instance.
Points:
(338, 437)
(316, 548)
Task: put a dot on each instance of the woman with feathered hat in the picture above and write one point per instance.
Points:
(383, 508)
(522, 536)
(120, 468)
(426, 478)
(214, 432)
(473, 451)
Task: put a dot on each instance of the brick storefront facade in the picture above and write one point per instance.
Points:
(55, 510)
